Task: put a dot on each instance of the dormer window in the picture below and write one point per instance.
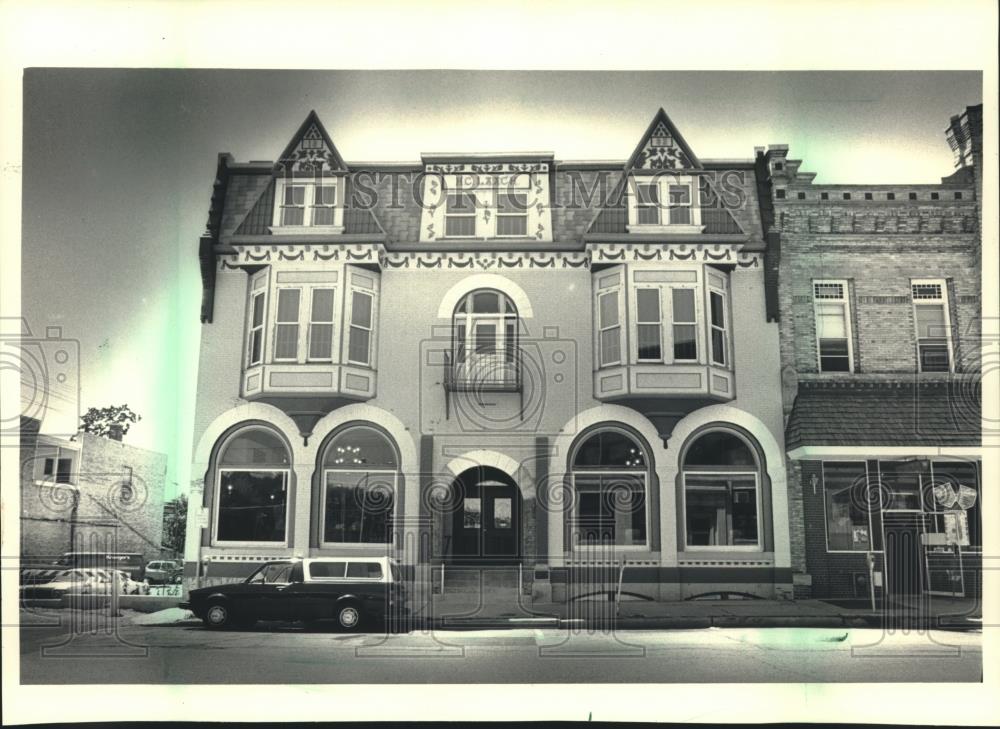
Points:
(460, 215)
(512, 213)
(306, 205)
(664, 204)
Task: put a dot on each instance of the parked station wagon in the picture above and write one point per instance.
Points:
(350, 591)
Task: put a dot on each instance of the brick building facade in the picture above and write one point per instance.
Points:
(880, 300)
(89, 494)
(512, 359)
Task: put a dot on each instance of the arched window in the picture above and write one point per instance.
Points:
(485, 339)
(610, 472)
(360, 467)
(252, 488)
(721, 492)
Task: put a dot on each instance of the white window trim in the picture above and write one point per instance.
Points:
(218, 495)
(513, 190)
(350, 325)
(469, 320)
(826, 526)
(332, 324)
(598, 548)
(663, 181)
(666, 324)
(759, 547)
(322, 525)
(943, 283)
(658, 323)
(848, 324)
(473, 215)
(700, 357)
(726, 328)
(616, 292)
(310, 184)
(254, 294)
(298, 358)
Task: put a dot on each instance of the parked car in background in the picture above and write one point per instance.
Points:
(350, 591)
(128, 586)
(164, 572)
(55, 584)
(66, 583)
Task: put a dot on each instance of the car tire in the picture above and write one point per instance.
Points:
(349, 617)
(218, 616)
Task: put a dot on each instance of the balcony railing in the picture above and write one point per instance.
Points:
(484, 373)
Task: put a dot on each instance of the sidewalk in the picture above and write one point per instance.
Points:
(938, 613)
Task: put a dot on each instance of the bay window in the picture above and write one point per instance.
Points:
(648, 329)
(321, 325)
(251, 494)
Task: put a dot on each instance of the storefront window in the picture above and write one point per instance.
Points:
(902, 484)
(252, 492)
(721, 493)
(610, 476)
(360, 469)
(955, 496)
(845, 500)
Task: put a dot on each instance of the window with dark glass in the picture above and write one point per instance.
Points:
(253, 469)
(485, 326)
(718, 322)
(648, 204)
(680, 204)
(256, 340)
(721, 492)
(321, 325)
(512, 213)
(930, 313)
(848, 505)
(610, 476)
(609, 325)
(359, 344)
(832, 315)
(286, 328)
(360, 467)
(648, 324)
(685, 325)
(460, 215)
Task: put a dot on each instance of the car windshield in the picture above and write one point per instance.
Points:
(277, 572)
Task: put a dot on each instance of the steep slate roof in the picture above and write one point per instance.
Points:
(357, 220)
(887, 413)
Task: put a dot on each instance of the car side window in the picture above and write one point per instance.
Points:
(327, 570)
(296, 573)
(366, 570)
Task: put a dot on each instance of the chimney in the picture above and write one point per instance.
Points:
(115, 432)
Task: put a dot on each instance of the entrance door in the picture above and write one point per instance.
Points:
(486, 524)
(903, 552)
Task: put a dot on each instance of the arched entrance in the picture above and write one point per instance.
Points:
(485, 526)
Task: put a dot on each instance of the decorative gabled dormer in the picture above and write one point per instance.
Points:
(663, 184)
(503, 197)
(310, 185)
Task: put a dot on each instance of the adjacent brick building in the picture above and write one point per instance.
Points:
(89, 494)
(879, 296)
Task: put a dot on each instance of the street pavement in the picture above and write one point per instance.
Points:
(66, 646)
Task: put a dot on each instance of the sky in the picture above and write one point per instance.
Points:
(118, 167)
